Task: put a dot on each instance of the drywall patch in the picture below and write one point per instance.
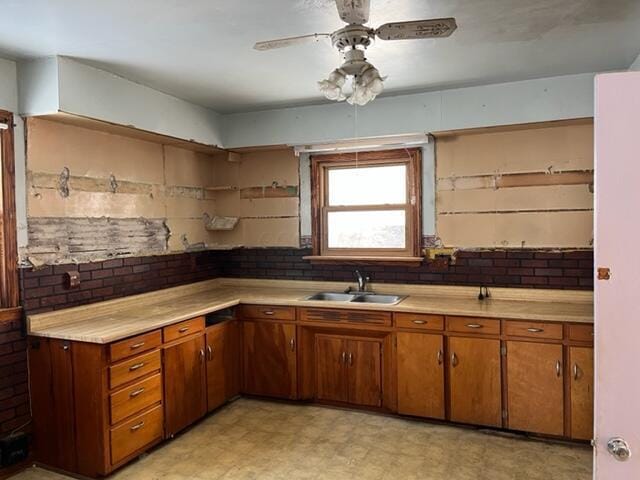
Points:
(63, 240)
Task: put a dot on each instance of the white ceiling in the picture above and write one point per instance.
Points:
(201, 50)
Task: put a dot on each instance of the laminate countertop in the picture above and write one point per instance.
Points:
(113, 320)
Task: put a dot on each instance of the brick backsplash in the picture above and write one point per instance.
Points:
(44, 289)
(501, 268)
(14, 396)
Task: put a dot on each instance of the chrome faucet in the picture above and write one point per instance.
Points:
(362, 280)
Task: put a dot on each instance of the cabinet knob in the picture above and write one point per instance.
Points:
(454, 360)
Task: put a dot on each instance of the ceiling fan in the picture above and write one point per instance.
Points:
(353, 40)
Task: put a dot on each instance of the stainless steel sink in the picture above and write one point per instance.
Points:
(356, 297)
(331, 297)
(379, 298)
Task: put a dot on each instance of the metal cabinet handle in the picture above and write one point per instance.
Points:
(183, 329)
(202, 354)
(473, 325)
(137, 426)
(137, 345)
(269, 312)
(344, 358)
(419, 322)
(576, 372)
(292, 344)
(558, 368)
(136, 366)
(137, 392)
(350, 358)
(210, 352)
(454, 360)
(439, 357)
(535, 330)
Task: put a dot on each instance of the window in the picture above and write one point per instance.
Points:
(367, 204)
(8, 249)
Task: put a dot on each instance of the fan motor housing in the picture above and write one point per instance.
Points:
(352, 36)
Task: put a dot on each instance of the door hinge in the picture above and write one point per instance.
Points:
(503, 351)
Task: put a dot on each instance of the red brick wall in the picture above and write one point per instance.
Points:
(14, 401)
(509, 268)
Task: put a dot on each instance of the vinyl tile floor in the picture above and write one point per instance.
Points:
(253, 439)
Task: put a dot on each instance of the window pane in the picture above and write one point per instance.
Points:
(368, 185)
(379, 229)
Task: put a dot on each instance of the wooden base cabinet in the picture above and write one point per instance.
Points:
(420, 367)
(269, 358)
(474, 381)
(581, 392)
(349, 370)
(535, 387)
(223, 363)
(185, 378)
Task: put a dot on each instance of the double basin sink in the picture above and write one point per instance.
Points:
(357, 297)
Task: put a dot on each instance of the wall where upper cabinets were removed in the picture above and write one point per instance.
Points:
(516, 187)
(261, 188)
(93, 195)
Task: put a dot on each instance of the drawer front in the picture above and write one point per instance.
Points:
(485, 326)
(345, 316)
(135, 398)
(268, 312)
(183, 329)
(419, 320)
(134, 368)
(135, 434)
(135, 345)
(581, 333)
(551, 331)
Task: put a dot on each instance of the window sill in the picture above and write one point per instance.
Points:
(360, 260)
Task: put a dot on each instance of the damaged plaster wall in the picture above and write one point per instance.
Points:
(528, 186)
(93, 195)
(262, 189)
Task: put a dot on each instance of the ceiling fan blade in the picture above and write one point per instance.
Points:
(353, 11)
(434, 28)
(288, 42)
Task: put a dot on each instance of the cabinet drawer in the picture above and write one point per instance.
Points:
(134, 345)
(344, 315)
(133, 399)
(552, 331)
(418, 320)
(268, 312)
(183, 329)
(135, 434)
(581, 333)
(485, 326)
(134, 368)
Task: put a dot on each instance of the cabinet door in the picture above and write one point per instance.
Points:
(420, 374)
(184, 383)
(364, 372)
(331, 368)
(474, 381)
(223, 355)
(581, 391)
(269, 350)
(535, 397)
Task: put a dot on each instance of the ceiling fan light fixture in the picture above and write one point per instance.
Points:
(331, 88)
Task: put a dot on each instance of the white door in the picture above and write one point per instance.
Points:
(617, 300)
